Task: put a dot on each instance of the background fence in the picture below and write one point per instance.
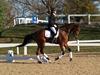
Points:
(26, 20)
(88, 16)
(70, 43)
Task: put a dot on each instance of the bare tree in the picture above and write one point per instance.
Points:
(54, 4)
(62, 6)
(79, 6)
(7, 17)
(40, 6)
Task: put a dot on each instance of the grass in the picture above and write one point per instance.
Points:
(19, 31)
(89, 33)
(49, 50)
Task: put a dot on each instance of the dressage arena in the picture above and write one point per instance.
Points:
(82, 64)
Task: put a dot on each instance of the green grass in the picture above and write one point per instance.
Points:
(89, 33)
(19, 31)
(49, 50)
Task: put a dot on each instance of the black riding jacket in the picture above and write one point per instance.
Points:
(51, 20)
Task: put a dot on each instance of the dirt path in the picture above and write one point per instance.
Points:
(81, 65)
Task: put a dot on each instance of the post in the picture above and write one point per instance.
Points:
(89, 19)
(17, 50)
(14, 21)
(78, 46)
(19, 21)
(69, 19)
(25, 50)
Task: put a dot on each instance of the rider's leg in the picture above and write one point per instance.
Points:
(53, 33)
(53, 30)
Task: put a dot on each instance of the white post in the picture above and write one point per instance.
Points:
(17, 50)
(78, 46)
(25, 20)
(89, 20)
(19, 21)
(14, 21)
(69, 19)
(25, 50)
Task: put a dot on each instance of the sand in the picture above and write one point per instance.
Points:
(81, 65)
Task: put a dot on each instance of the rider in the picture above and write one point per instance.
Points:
(51, 23)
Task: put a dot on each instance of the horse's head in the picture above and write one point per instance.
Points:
(73, 28)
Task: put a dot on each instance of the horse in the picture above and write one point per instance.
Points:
(40, 38)
(72, 28)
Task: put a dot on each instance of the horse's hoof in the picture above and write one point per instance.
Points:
(70, 59)
(39, 62)
(56, 59)
(47, 58)
(49, 61)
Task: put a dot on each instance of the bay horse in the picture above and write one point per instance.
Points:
(40, 39)
(72, 28)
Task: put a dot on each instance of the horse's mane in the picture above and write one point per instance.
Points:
(69, 26)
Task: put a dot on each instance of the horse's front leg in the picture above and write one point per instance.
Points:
(62, 53)
(70, 54)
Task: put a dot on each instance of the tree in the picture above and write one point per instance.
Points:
(40, 7)
(44, 7)
(79, 6)
(5, 14)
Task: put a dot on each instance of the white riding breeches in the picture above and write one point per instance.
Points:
(53, 29)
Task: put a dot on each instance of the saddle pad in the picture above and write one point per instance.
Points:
(48, 34)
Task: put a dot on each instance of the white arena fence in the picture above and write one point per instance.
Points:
(77, 43)
(89, 17)
(26, 20)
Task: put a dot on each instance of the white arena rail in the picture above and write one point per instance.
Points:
(70, 43)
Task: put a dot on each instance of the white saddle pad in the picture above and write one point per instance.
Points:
(48, 34)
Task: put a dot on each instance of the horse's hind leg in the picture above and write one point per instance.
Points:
(43, 57)
(38, 55)
(44, 54)
(27, 39)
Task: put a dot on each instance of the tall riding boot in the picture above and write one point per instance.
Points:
(52, 38)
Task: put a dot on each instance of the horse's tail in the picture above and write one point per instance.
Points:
(27, 39)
